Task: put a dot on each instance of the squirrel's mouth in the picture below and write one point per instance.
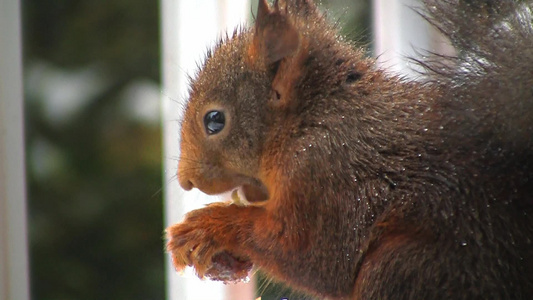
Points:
(248, 194)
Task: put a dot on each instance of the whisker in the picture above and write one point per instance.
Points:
(265, 284)
(158, 192)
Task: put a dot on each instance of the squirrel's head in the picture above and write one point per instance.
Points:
(248, 88)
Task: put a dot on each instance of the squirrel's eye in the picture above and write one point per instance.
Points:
(214, 122)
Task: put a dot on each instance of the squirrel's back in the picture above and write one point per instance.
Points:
(488, 87)
(485, 102)
(479, 177)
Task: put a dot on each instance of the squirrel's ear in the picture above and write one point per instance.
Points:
(278, 44)
(275, 37)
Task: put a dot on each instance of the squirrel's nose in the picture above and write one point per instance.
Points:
(184, 177)
(186, 184)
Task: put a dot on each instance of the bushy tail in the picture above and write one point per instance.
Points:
(488, 87)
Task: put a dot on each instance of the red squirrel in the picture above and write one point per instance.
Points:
(352, 183)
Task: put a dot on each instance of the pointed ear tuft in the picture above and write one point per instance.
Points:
(262, 10)
(275, 37)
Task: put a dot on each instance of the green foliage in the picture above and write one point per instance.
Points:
(95, 210)
(122, 35)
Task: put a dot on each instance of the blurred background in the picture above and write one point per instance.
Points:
(94, 148)
(91, 77)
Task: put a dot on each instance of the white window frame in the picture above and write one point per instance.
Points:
(14, 279)
(189, 28)
(399, 33)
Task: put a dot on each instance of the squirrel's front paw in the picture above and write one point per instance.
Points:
(198, 242)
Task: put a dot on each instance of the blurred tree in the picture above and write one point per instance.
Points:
(93, 175)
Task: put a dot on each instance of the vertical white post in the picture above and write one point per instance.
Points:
(399, 31)
(13, 237)
(189, 28)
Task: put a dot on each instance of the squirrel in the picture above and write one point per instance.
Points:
(353, 183)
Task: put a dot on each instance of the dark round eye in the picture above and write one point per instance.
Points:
(214, 122)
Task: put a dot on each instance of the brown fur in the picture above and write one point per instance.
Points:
(376, 187)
